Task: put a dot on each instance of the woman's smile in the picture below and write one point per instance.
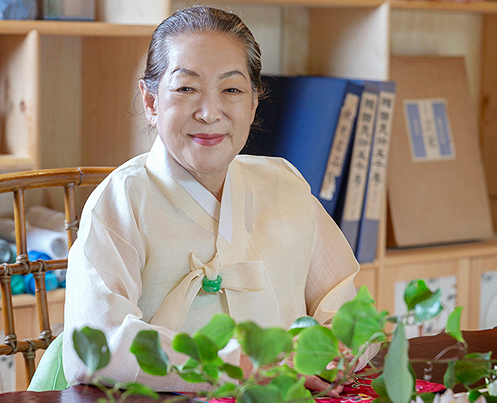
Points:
(209, 140)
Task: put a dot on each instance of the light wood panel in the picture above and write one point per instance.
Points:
(367, 276)
(441, 252)
(19, 100)
(61, 107)
(60, 101)
(315, 3)
(488, 117)
(74, 28)
(422, 32)
(112, 129)
(350, 42)
(295, 52)
(132, 12)
(479, 266)
(390, 275)
(484, 7)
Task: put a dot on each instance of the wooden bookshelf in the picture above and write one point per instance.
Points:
(65, 86)
(67, 91)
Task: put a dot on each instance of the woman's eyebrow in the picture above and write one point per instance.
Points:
(231, 73)
(185, 71)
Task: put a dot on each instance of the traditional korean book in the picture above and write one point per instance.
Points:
(301, 117)
(350, 210)
(375, 186)
(437, 192)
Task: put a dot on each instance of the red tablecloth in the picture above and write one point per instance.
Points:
(360, 391)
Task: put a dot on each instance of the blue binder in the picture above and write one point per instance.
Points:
(299, 120)
(351, 201)
(375, 187)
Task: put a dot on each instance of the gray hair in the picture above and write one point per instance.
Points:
(200, 19)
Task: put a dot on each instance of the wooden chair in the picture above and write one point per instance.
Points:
(18, 183)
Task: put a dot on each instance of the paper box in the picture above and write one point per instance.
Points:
(436, 185)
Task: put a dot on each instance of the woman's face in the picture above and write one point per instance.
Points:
(204, 106)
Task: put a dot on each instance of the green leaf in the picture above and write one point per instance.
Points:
(91, 346)
(220, 330)
(190, 371)
(183, 343)
(228, 389)
(473, 395)
(284, 382)
(263, 346)
(427, 397)
(206, 347)
(363, 295)
(232, 371)
(399, 382)
(469, 372)
(192, 377)
(356, 322)
(450, 375)
(301, 324)
(261, 394)
(316, 347)
(299, 392)
(135, 388)
(277, 370)
(378, 385)
(148, 352)
(415, 292)
(393, 319)
(212, 371)
(453, 326)
(329, 375)
(429, 307)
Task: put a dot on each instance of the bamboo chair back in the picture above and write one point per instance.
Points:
(18, 183)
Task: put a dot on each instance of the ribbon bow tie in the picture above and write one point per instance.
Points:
(241, 277)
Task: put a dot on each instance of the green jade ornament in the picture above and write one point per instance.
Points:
(212, 285)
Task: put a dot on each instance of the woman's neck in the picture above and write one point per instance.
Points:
(213, 182)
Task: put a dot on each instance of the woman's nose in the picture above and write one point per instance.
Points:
(209, 110)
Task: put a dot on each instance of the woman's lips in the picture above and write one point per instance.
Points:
(207, 139)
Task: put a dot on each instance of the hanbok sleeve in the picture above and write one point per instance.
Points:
(330, 282)
(103, 288)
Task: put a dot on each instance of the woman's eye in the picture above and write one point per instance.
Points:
(185, 89)
(232, 90)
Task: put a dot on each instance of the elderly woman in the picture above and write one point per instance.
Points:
(192, 229)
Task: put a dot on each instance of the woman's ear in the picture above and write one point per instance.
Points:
(149, 104)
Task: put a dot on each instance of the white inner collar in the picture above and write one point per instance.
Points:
(220, 211)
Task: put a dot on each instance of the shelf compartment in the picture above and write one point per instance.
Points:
(74, 28)
(484, 7)
(19, 103)
(433, 253)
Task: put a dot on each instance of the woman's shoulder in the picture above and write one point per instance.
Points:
(269, 168)
(117, 185)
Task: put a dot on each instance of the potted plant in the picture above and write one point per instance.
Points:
(280, 357)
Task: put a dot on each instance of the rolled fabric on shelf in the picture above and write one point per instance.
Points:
(53, 243)
(44, 217)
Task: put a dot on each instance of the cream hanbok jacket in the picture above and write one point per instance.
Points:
(150, 233)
